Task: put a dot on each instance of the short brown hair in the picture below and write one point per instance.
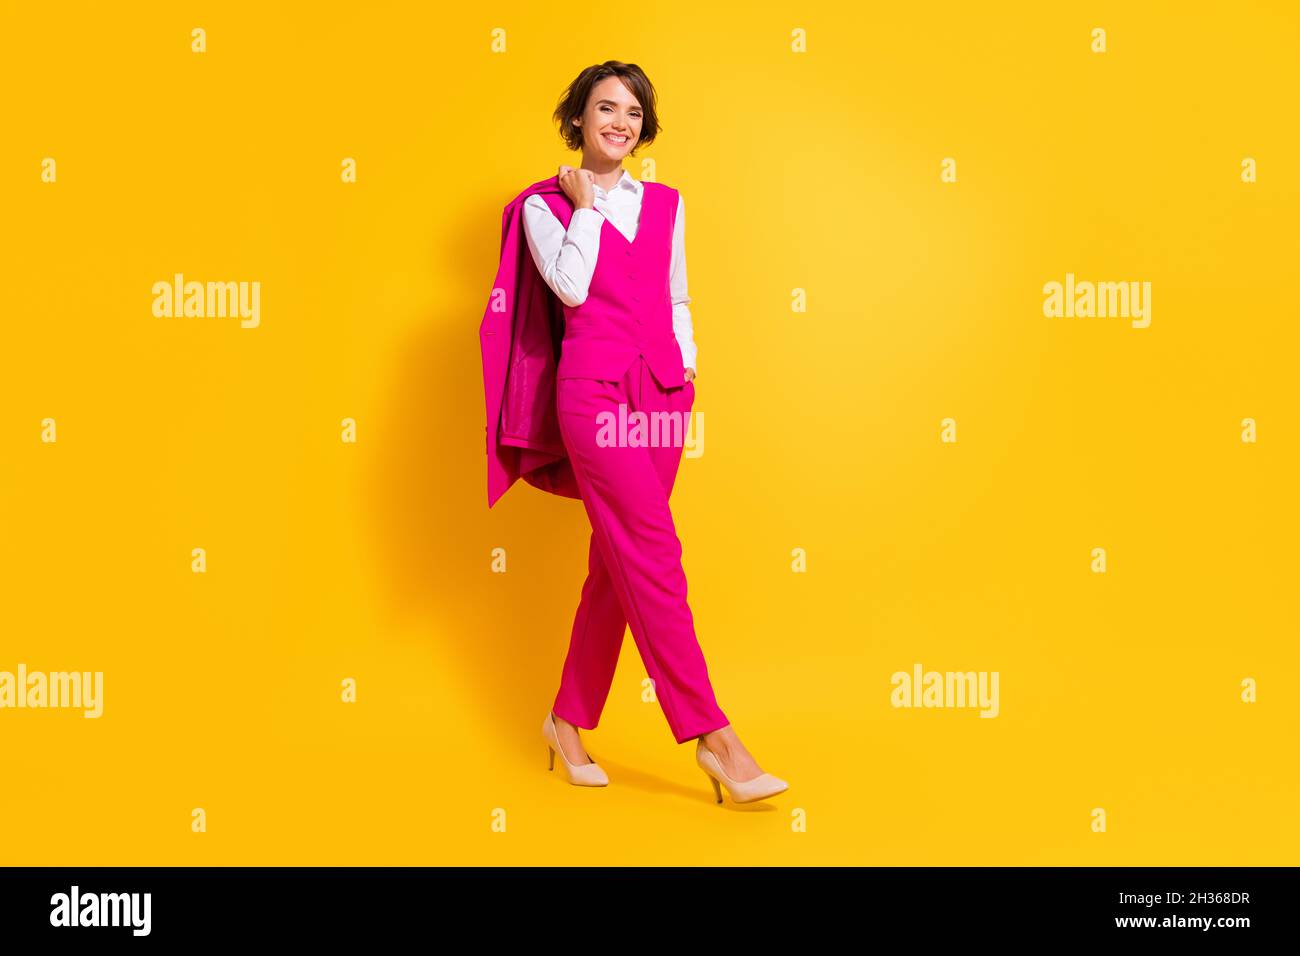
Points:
(574, 101)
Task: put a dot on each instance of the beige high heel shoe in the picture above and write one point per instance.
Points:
(582, 775)
(742, 791)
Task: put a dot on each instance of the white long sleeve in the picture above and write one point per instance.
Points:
(566, 260)
(683, 326)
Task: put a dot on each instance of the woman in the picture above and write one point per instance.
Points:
(612, 249)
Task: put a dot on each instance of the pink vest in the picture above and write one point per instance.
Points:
(628, 310)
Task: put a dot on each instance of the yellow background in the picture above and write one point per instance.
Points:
(817, 171)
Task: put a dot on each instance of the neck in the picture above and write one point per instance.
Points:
(607, 173)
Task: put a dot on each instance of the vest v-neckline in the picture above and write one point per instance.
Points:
(645, 194)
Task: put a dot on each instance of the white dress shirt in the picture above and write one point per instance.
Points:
(566, 260)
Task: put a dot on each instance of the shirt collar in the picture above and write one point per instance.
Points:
(624, 182)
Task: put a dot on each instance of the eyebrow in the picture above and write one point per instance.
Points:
(635, 106)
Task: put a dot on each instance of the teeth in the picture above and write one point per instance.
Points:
(615, 139)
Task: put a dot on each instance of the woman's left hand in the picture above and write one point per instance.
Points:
(690, 375)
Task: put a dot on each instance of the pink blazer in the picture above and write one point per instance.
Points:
(520, 339)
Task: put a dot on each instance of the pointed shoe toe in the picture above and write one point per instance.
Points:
(588, 775)
(761, 787)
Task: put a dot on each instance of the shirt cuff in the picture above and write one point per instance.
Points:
(688, 357)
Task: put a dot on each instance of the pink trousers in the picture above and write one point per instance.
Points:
(634, 565)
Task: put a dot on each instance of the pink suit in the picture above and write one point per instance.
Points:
(618, 348)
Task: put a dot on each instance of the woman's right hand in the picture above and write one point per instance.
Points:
(579, 185)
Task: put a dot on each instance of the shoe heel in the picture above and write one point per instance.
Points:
(551, 750)
(717, 787)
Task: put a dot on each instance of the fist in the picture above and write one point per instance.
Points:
(579, 186)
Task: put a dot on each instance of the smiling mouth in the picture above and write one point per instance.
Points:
(615, 139)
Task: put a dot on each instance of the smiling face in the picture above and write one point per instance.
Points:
(611, 123)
